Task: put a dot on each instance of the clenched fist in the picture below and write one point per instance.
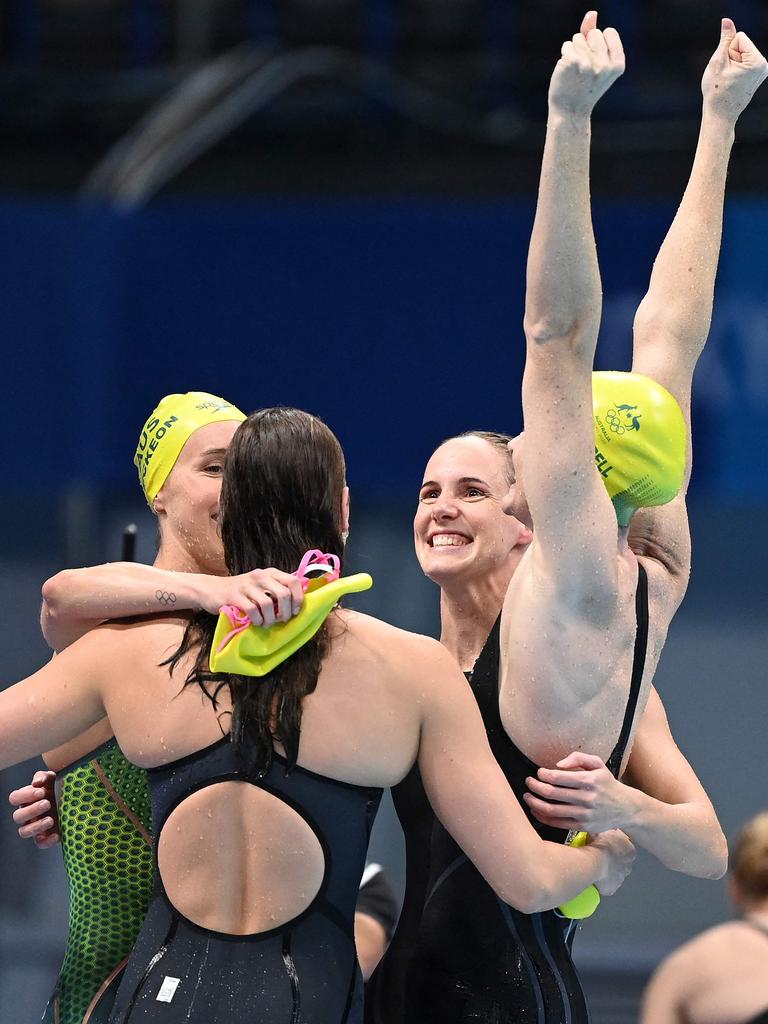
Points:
(734, 72)
(590, 63)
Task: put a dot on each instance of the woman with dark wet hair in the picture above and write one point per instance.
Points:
(264, 789)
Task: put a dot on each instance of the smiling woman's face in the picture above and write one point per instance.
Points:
(460, 529)
(188, 502)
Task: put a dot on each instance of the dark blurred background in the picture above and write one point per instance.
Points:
(327, 203)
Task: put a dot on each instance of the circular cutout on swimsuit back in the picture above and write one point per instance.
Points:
(236, 859)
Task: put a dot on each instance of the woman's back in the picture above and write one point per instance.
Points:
(275, 938)
(361, 724)
(257, 871)
(245, 843)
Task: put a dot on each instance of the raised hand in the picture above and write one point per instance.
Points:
(35, 812)
(733, 74)
(590, 63)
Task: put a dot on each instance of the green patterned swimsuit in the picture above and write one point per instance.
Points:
(104, 819)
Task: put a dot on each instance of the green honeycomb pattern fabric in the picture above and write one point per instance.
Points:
(104, 818)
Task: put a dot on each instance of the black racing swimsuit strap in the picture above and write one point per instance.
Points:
(638, 667)
(484, 680)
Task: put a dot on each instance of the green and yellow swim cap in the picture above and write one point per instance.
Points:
(640, 441)
(168, 429)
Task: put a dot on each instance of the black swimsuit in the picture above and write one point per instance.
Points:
(302, 972)
(460, 955)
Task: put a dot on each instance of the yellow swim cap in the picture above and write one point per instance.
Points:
(640, 441)
(169, 428)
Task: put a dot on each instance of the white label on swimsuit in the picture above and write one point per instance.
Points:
(168, 990)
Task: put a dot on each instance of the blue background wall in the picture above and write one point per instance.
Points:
(399, 322)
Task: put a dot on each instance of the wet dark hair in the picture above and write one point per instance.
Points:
(281, 495)
(497, 440)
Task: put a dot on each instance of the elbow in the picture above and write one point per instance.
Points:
(531, 894)
(542, 331)
(52, 592)
(537, 903)
(56, 608)
(713, 868)
(523, 902)
(718, 861)
(710, 862)
(50, 595)
(715, 863)
(719, 871)
(572, 330)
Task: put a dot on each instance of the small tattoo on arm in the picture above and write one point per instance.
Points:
(165, 597)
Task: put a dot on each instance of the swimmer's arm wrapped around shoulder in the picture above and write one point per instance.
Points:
(77, 600)
(57, 703)
(473, 800)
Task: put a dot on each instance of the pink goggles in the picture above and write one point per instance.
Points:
(329, 568)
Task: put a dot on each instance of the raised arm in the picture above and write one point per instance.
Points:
(672, 321)
(77, 600)
(659, 803)
(562, 302)
(562, 315)
(471, 797)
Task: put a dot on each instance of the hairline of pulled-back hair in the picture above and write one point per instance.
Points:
(281, 495)
(496, 440)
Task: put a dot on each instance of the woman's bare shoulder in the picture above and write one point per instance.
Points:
(410, 659)
(708, 947)
(376, 632)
